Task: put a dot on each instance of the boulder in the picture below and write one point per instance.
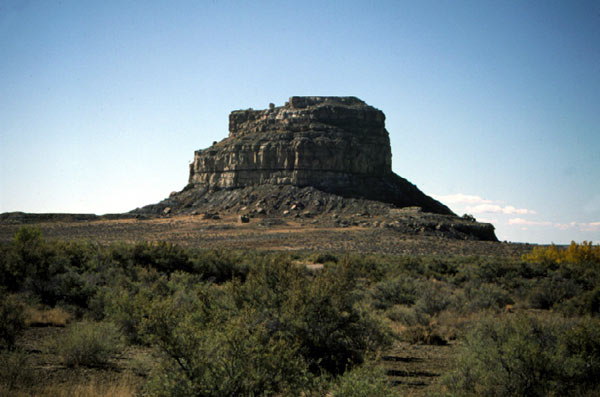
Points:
(243, 219)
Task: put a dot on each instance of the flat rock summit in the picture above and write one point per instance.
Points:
(314, 157)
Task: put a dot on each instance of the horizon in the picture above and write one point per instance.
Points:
(492, 108)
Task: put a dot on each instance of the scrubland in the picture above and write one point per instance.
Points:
(78, 318)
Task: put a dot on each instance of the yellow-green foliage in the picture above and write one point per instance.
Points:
(585, 252)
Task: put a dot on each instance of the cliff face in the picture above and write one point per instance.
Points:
(335, 144)
(311, 141)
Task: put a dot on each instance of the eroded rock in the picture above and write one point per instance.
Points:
(336, 144)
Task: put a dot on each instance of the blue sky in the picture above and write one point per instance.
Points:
(493, 107)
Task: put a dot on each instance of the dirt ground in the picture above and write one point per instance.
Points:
(266, 234)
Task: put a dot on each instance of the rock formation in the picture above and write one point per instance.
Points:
(336, 144)
(323, 160)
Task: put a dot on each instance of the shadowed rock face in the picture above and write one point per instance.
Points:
(336, 144)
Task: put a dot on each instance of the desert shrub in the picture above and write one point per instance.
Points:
(73, 288)
(439, 267)
(324, 257)
(239, 357)
(367, 380)
(293, 325)
(585, 303)
(51, 271)
(371, 267)
(124, 304)
(12, 320)
(162, 256)
(482, 296)
(407, 315)
(435, 297)
(549, 291)
(123, 308)
(12, 271)
(428, 334)
(322, 314)
(579, 349)
(15, 372)
(222, 265)
(88, 344)
(396, 291)
(493, 270)
(528, 356)
(35, 264)
(210, 349)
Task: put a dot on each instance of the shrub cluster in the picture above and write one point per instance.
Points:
(12, 320)
(296, 326)
(528, 356)
(88, 344)
(225, 323)
(251, 323)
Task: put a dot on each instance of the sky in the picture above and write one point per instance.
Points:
(493, 107)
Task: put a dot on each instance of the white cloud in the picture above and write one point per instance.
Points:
(460, 198)
(478, 205)
(521, 221)
(510, 210)
(497, 209)
(590, 227)
(583, 226)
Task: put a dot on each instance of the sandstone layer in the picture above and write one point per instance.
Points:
(336, 144)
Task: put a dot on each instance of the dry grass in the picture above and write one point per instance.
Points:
(55, 317)
(125, 386)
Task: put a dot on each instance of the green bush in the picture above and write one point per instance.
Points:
(367, 380)
(528, 356)
(322, 314)
(222, 265)
(15, 372)
(396, 291)
(549, 291)
(89, 344)
(162, 256)
(484, 296)
(439, 267)
(12, 271)
(585, 303)
(407, 316)
(275, 333)
(435, 298)
(12, 320)
(210, 349)
(239, 357)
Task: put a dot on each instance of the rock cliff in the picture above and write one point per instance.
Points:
(336, 144)
(323, 161)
